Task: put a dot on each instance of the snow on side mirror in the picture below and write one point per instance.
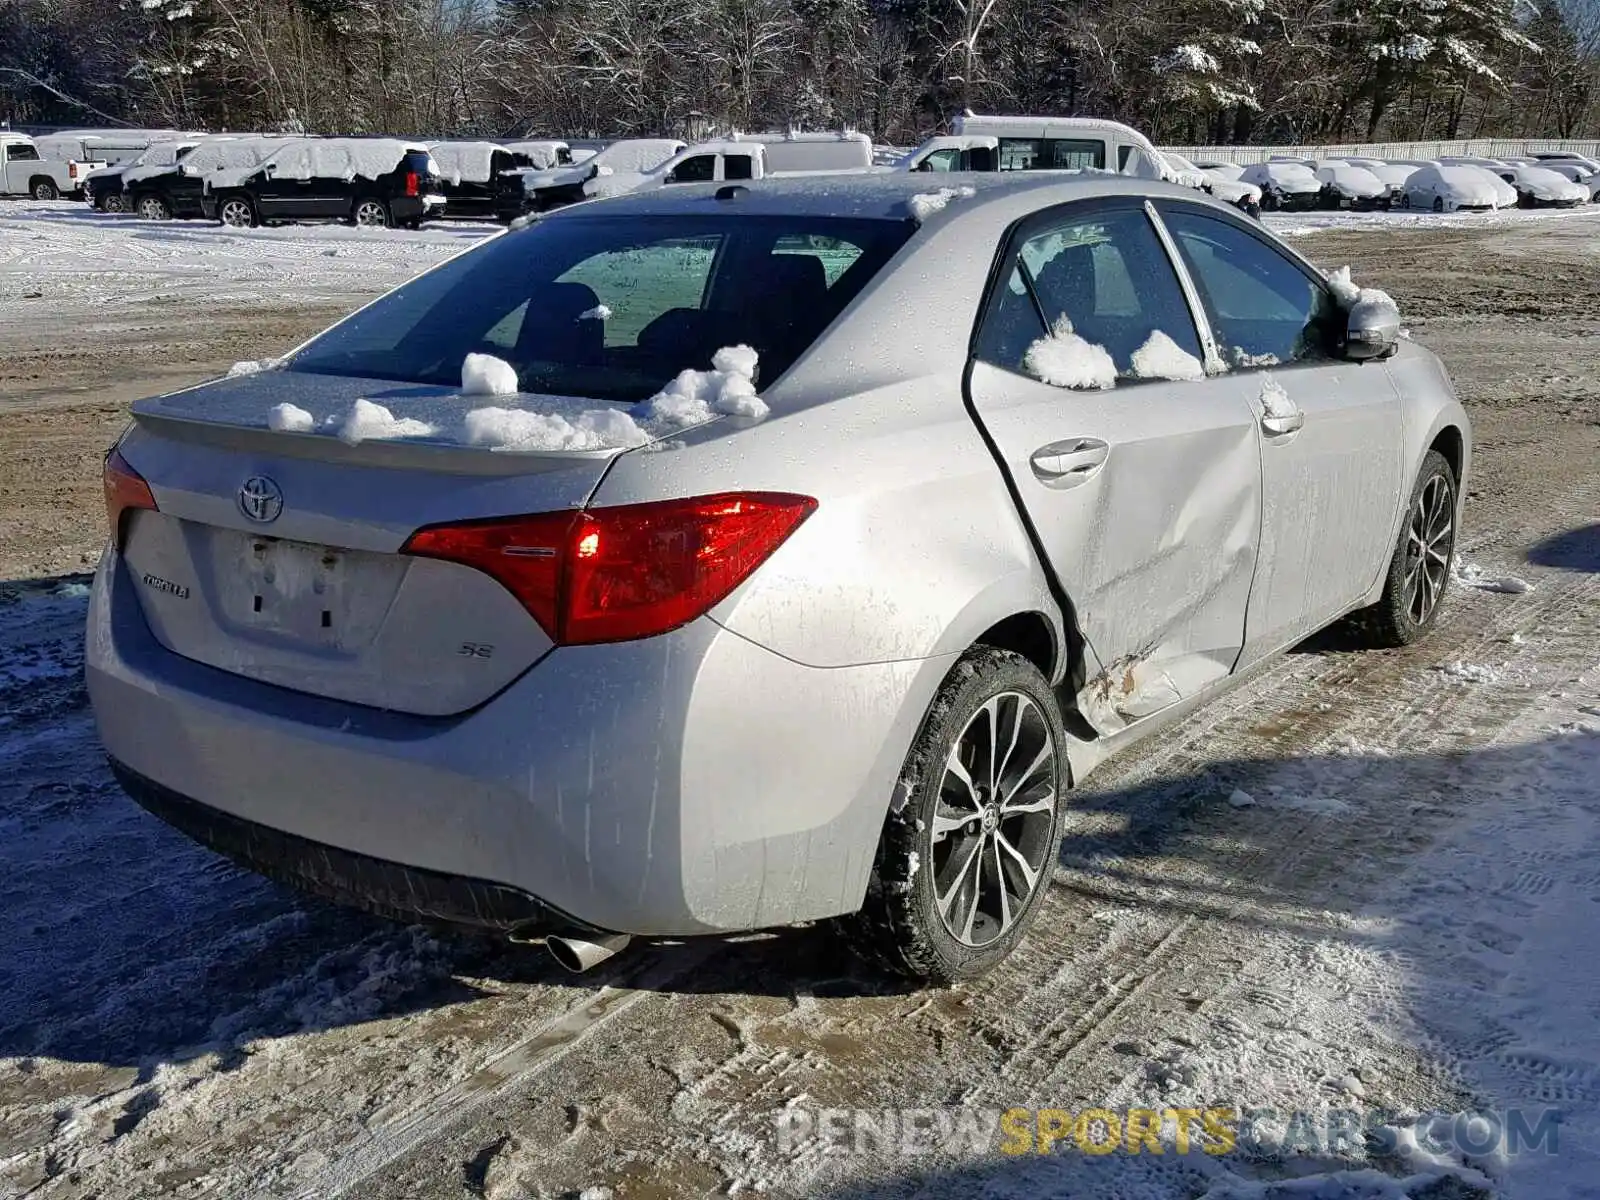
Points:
(1372, 330)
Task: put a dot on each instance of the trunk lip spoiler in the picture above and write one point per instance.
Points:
(399, 454)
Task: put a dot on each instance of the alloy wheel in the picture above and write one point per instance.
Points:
(152, 209)
(990, 842)
(236, 213)
(1430, 538)
(370, 212)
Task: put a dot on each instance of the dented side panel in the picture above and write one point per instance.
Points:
(1157, 545)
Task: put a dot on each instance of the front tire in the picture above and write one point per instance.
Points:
(1438, 204)
(969, 846)
(1420, 570)
(237, 212)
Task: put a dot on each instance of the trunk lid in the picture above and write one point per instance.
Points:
(275, 555)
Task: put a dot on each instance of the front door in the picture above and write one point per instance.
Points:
(1140, 475)
(1332, 447)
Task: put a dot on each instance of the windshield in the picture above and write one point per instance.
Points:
(614, 307)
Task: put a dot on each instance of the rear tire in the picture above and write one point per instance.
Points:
(926, 915)
(1419, 571)
(151, 207)
(44, 189)
(372, 213)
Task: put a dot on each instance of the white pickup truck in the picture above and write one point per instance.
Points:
(23, 172)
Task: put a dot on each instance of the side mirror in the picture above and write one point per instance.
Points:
(1372, 331)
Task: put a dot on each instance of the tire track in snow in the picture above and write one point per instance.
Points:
(504, 1073)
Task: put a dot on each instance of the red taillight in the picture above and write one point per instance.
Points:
(411, 183)
(125, 489)
(633, 571)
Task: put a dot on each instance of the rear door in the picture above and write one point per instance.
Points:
(1144, 491)
(1330, 429)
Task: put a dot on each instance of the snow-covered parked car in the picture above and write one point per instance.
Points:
(28, 170)
(105, 189)
(165, 193)
(1450, 187)
(1578, 173)
(1346, 185)
(1393, 176)
(419, 621)
(469, 175)
(625, 162)
(543, 153)
(375, 182)
(1284, 184)
(1246, 197)
(1540, 187)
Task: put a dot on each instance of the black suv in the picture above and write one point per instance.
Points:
(282, 189)
(470, 176)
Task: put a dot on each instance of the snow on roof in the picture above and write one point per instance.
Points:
(244, 153)
(464, 162)
(341, 158)
(638, 155)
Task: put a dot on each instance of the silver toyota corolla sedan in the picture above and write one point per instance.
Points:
(726, 558)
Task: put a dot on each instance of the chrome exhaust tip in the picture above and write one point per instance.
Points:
(580, 954)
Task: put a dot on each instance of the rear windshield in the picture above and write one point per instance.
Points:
(418, 162)
(612, 307)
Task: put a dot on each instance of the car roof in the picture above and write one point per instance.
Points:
(886, 195)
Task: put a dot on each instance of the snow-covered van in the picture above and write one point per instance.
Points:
(1065, 144)
(954, 152)
(109, 146)
(25, 170)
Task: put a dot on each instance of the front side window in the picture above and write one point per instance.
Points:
(702, 168)
(1105, 277)
(21, 153)
(612, 308)
(941, 160)
(1264, 309)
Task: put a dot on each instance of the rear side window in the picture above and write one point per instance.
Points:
(613, 307)
(1051, 154)
(738, 166)
(1264, 309)
(1104, 272)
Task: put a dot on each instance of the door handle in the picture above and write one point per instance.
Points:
(1283, 424)
(1070, 462)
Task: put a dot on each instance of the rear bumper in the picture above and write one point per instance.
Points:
(342, 876)
(688, 783)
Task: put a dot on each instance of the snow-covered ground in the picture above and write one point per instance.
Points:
(1299, 224)
(67, 258)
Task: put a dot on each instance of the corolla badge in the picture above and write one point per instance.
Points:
(260, 499)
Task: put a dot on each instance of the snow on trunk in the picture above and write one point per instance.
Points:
(486, 375)
(290, 418)
(367, 421)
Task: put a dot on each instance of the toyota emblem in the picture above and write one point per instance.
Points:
(260, 499)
